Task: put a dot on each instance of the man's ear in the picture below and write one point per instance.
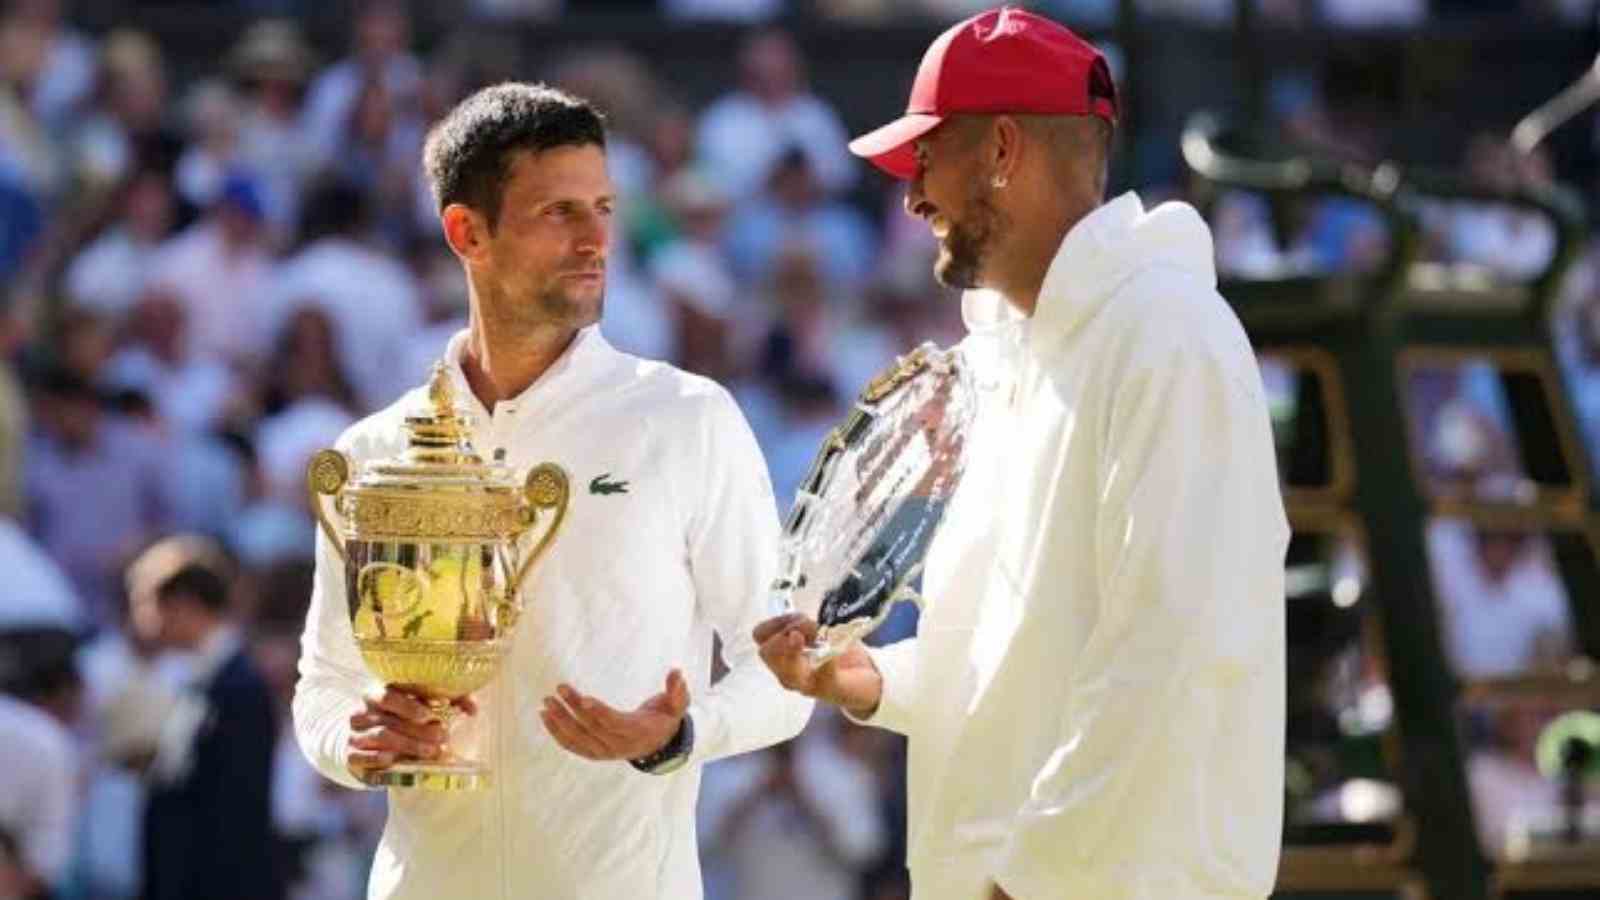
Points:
(1004, 151)
(465, 230)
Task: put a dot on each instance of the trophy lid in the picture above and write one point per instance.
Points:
(439, 452)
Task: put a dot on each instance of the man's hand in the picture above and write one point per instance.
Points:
(588, 727)
(849, 680)
(396, 726)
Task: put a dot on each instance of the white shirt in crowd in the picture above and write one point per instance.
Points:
(1517, 811)
(741, 139)
(37, 591)
(373, 302)
(776, 845)
(108, 275)
(192, 395)
(1497, 627)
(631, 588)
(128, 700)
(1095, 698)
(334, 94)
(38, 788)
(220, 289)
(1513, 243)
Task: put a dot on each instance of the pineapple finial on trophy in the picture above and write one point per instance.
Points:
(441, 393)
(437, 433)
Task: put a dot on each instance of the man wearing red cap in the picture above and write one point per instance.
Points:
(1095, 699)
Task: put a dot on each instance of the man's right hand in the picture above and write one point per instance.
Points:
(395, 726)
(849, 680)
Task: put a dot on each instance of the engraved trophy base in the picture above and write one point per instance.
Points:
(834, 639)
(442, 776)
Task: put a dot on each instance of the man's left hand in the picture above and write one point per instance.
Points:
(591, 729)
(995, 893)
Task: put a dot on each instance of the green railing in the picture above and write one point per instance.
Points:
(1374, 328)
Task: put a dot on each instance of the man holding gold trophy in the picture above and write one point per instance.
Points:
(521, 565)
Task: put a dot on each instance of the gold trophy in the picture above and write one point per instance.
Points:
(433, 547)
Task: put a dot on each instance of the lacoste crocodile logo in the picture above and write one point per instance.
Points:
(601, 484)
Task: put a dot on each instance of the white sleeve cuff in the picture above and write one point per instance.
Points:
(897, 667)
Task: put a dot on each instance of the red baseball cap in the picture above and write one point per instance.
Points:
(1001, 61)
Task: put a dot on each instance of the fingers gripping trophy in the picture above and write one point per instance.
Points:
(437, 545)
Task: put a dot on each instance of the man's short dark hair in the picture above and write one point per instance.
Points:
(468, 153)
(39, 662)
(202, 582)
(185, 565)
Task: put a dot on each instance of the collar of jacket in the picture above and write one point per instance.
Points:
(1078, 279)
(1086, 270)
(573, 372)
(215, 651)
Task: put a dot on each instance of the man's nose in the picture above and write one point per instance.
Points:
(593, 238)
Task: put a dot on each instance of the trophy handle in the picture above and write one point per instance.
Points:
(546, 487)
(326, 475)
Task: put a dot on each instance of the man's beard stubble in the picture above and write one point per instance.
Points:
(552, 304)
(967, 244)
(557, 304)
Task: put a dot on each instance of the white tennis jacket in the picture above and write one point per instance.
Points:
(1095, 698)
(671, 533)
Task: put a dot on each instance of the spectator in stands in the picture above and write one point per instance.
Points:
(444, 303)
(795, 208)
(191, 392)
(213, 763)
(808, 407)
(744, 134)
(1514, 806)
(129, 111)
(380, 153)
(1512, 242)
(218, 269)
(271, 65)
(382, 33)
(94, 484)
(693, 279)
(622, 85)
(799, 821)
(284, 443)
(32, 173)
(1462, 425)
(307, 364)
(67, 65)
(108, 275)
(211, 120)
(39, 698)
(371, 300)
(38, 592)
(1501, 602)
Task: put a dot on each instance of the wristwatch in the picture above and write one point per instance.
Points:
(671, 757)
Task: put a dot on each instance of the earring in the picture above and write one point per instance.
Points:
(999, 182)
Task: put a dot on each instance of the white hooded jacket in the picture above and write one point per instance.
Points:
(671, 533)
(1095, 698)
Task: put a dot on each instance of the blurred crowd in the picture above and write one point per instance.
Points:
(207, 280)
